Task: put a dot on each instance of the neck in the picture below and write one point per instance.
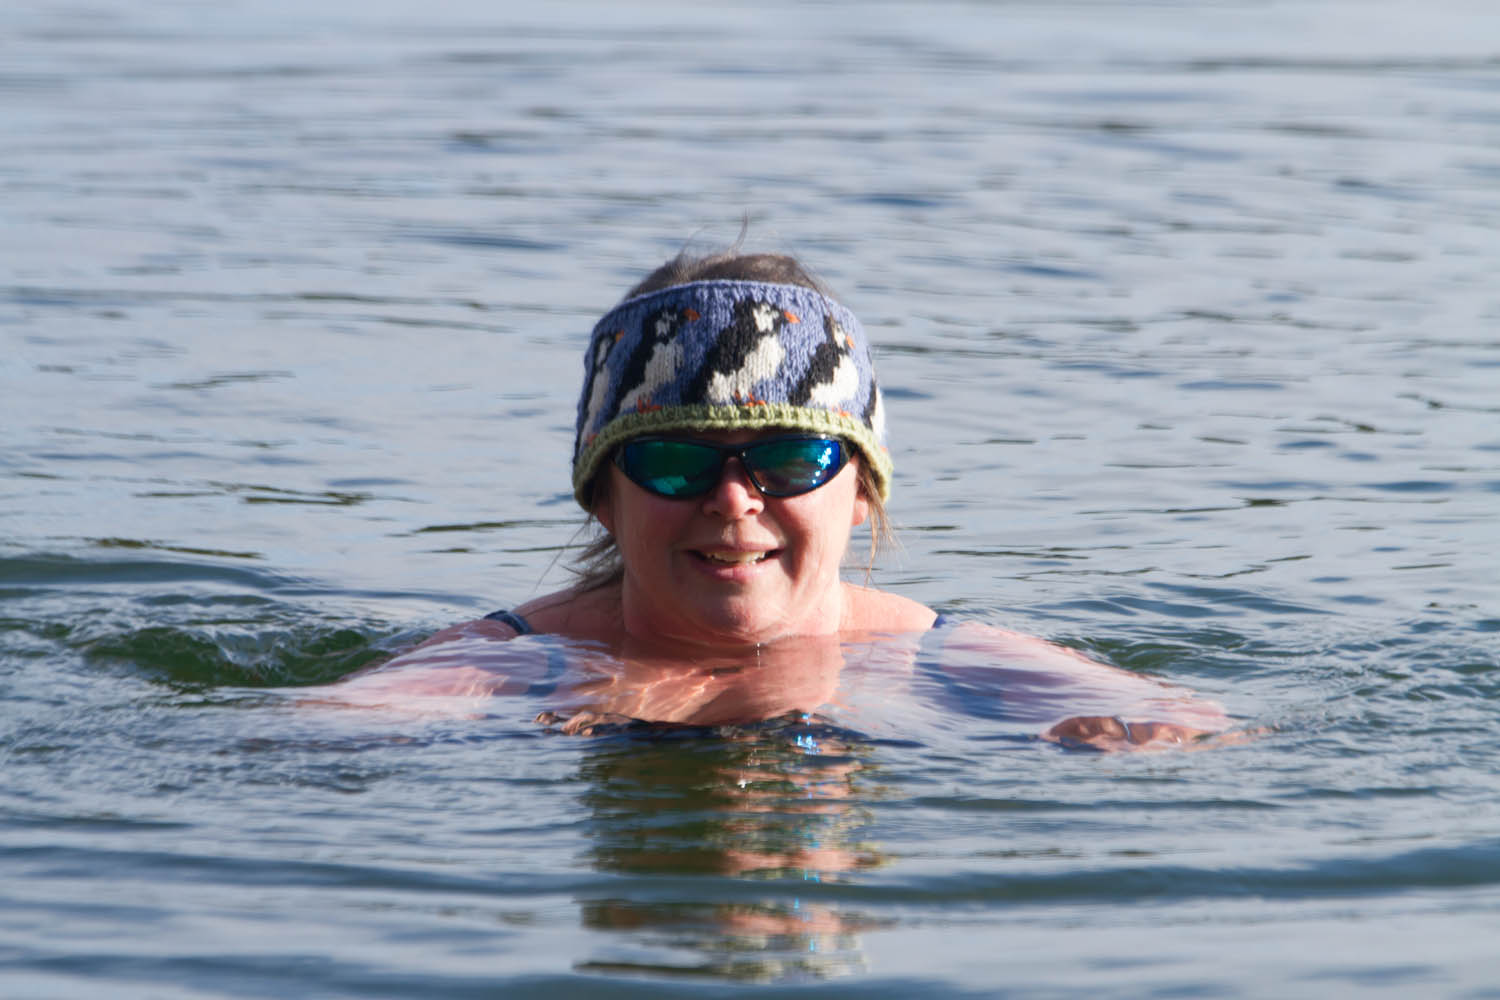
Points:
(732, 626)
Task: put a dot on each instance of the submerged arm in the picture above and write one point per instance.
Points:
(1078, 700)
(453, 672)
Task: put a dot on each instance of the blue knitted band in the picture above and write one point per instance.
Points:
(728, 355)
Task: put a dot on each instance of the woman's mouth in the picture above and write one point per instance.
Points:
(734, 557)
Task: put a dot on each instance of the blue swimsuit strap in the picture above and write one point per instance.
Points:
(515, 621)
(523, 627)
(557, 660)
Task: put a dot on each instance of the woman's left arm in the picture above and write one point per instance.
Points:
(1090, 704)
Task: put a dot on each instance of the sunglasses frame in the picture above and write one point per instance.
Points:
(739, 451)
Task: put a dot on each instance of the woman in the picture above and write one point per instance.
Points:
(730, 435)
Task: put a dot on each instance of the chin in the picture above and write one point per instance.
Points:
(731, 626)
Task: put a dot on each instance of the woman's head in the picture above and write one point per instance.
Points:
(729, 344)
(729, 351)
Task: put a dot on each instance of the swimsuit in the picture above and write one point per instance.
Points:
(515, 621)
(557, 659)
(929, 664)
(523, 627)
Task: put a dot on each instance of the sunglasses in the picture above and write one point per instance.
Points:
(779, 467)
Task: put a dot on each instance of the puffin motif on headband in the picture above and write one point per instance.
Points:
(728, 355)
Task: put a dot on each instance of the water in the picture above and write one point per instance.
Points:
(1187, 317)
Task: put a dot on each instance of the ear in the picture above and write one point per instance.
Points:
(603, 494)
(861, 511)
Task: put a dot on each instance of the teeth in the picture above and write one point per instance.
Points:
(735, 558)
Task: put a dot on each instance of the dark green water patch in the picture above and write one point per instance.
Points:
(134, 543)
(196, 659)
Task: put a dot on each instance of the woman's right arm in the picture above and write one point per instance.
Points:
(452, 672)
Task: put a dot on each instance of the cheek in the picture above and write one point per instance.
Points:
(637, 520)
(826, 526)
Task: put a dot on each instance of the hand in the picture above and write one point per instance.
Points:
(1110, 732)
(583, 722)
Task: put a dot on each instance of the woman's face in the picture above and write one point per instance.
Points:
(732, 566)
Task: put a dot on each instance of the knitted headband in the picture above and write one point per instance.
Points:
(728, 355)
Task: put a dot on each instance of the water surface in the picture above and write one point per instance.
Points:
(1186, 314)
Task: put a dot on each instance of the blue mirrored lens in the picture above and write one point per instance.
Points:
(786, 468)
(672, 468)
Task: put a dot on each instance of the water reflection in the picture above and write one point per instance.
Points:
(750, 823)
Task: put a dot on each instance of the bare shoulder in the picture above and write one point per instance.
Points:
(590, 614)
(478, 628)
(869, 610)
(587, 615)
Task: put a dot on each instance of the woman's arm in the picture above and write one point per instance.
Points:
(453, 672)
(1079, 701)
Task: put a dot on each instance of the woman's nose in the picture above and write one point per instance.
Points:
(735, 495)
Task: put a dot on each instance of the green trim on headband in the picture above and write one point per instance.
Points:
(704, 417)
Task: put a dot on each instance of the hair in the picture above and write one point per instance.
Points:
(729, 265)
(599, 563)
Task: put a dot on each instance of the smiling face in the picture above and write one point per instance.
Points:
(732, 567)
